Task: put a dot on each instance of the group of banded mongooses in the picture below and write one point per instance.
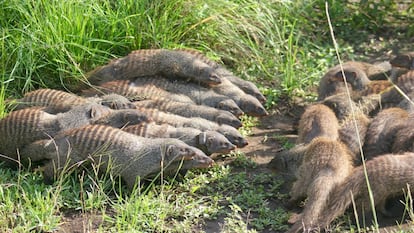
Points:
(153, 110)
(365, 114)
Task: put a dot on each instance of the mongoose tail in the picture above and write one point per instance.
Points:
(388, 176)
(317, 120)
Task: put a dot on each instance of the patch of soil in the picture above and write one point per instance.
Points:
(77, 222)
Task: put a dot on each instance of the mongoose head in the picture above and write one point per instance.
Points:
(123, 117)
(340, 104)
(116, 101)
(207, 74)
(228, 119)
(214, 142)
(251, 89)
(405, 60)
(251, 106)
(233, 135)
(354, 76)
(177, 152)
(230, 106)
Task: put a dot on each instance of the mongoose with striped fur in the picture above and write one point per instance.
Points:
(247, 86)
(317, 120)
(381, 131)
(191, 110)
(171, 64)
(208, 141)
(404, 60)
(229, 132)
(354, 138)
(61, 101)
(154, 87)
(333, 82)
(27, 125)
(388, 176)
(125, 154)
(325, 164)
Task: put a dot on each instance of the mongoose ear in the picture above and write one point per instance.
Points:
(202, 139)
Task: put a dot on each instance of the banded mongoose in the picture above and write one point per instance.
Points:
(343, 106)
(208, 141)
(21, 127)
(404, 136)
(247, 86)
(61, 101)
(145, 62)
(229, 132)
(352, 137)
(325, 164)
(333, 81)
(155, 87)
(317, 120)
(191, 110)
(247, 103)
(125, 154)
(388, 176)
(381, 131)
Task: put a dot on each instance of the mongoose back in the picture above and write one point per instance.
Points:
(325, 164)
(247, 86)
(60, 101)
(388, 176)
(125, 154)
(157, 86)
(200, 95)
(333, 82)
(404, 136)
(376, 87)
(146, 62)
(348, 134)
(343, 106)
(208, 141)
(317, 120)
(229, 132)
(404, 60)
(191, 110)
(381, 131)
(27, 125)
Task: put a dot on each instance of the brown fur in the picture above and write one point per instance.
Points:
(171, 64)
(404, 136)
(229, 132)
(381, 131)
(388, 176)
(317, 120)
(247, 86)
(333, 82)
(348, 134)
(191, 110)
(208, 141)
(326, 163)
(58, 101)
(125, 154)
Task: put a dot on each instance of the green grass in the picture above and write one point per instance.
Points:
(283, 46)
